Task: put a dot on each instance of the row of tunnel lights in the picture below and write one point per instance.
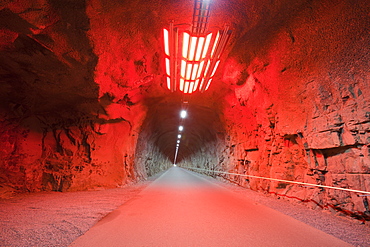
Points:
(192, 57)
(183, 115)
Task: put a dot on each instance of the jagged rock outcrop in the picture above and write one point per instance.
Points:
(300, 107)
(71, 102)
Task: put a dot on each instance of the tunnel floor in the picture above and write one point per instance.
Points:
(175, 208)
(183, 209)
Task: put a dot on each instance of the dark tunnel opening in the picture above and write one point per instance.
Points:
(202, 126)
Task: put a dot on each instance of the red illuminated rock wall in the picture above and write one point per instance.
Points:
(300, 108)
(150, 158)
(68, 157)
(73, 76)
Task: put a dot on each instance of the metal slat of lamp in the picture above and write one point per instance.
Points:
(193, 66)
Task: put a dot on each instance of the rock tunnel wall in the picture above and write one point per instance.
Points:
(66, 158)
(300, 108)
(150, 158)
(71, 90)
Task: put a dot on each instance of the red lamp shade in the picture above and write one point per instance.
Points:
(191, 59)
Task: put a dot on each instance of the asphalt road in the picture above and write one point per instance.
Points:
(181, 208)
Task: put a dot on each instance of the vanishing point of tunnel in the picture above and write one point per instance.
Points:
(85, 105)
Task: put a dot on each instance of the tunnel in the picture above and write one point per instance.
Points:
(84, 103)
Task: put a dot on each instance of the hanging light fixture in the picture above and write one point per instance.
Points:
(183, 114)
(192, 58)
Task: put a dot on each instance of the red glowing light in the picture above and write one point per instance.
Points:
(197, 64)
(166, 42)
(192, 58)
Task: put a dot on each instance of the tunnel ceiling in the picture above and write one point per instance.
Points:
(73, 59)
(201, 126)
(67, 60)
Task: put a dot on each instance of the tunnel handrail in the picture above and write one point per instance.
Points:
(283, 180)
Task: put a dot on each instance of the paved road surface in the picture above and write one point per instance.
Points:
(181, 208)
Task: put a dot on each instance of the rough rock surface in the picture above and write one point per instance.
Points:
(300, 105)
(71, 96)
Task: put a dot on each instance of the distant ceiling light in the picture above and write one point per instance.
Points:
(178, 136)
(178, 141)
(181, 128)
(200, 50)
(183, 114)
